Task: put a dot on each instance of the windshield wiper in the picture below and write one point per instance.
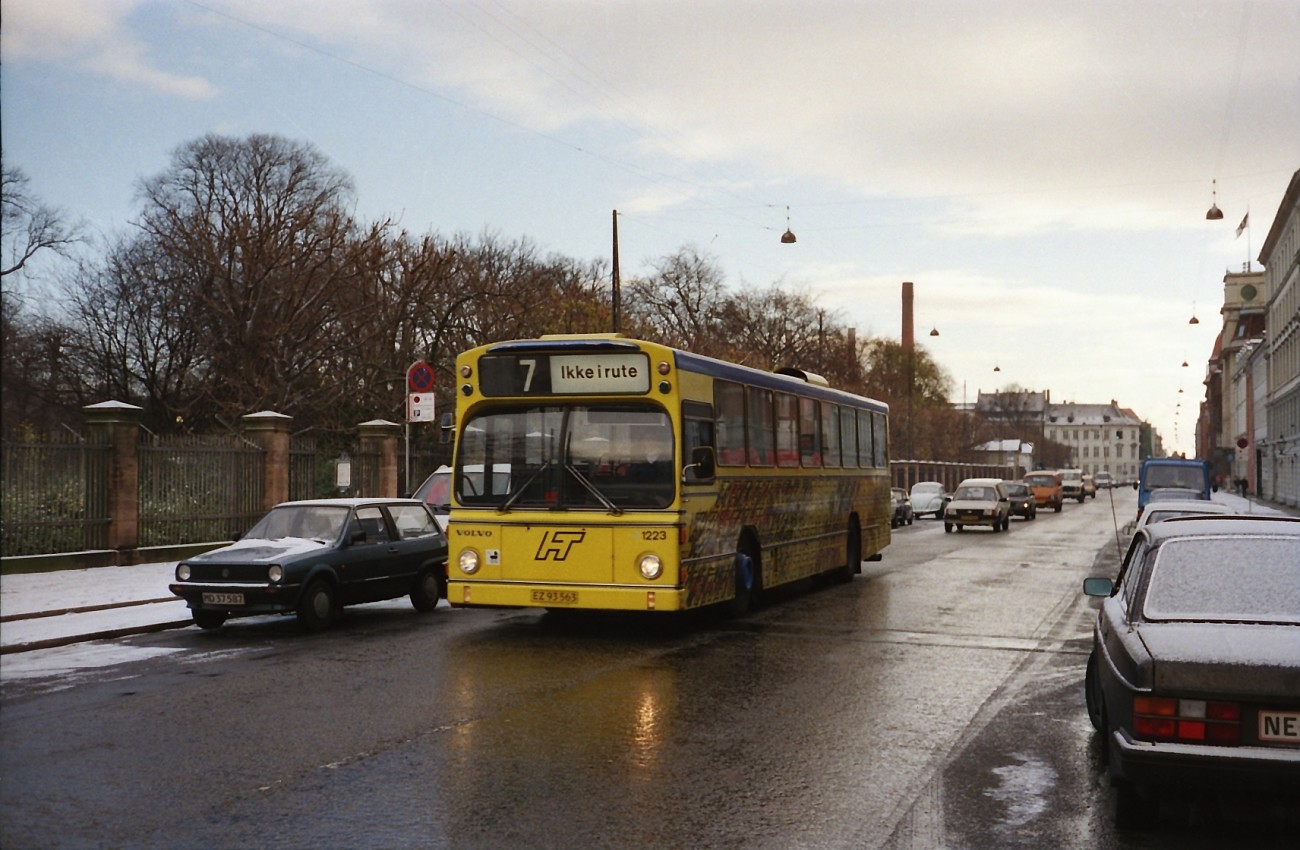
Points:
(593, 490)
(509, 503)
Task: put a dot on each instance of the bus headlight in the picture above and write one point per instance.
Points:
(275, 573)
(468, 562)
(650, 566)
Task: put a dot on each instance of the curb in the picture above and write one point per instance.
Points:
(84, 609)
(106, 634)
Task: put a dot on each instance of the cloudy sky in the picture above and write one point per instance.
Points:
(1039, 170)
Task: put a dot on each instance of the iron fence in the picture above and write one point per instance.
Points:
(198, 488)
(55, 495)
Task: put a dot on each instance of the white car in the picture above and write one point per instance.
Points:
(1155, 511)
(978, 501)
(928, 499)
(436, 489)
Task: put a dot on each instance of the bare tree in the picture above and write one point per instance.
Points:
(279, 281)
(29, 226)
(682, 304)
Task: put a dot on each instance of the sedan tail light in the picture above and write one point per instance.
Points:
(1193, 721)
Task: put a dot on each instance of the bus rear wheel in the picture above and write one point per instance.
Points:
(852, 555)
(748, 578)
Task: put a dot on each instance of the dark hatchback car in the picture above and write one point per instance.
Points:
(902, 508)
(1023, 503)
(1194, 677)
(311, 558)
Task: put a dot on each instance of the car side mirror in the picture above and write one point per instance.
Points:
(1098, 586)
(1135, 485)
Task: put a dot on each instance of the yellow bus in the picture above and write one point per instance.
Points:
(631, 476)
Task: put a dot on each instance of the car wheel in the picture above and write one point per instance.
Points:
(209, 619)
(947, 528)
(317, 608)
(1131, 810)
(909, 520)
(959, 527)
(1092, 695)
(427, 591)
(1058, 507)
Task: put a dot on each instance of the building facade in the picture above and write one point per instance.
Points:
(1277, 452)
(1101, 437)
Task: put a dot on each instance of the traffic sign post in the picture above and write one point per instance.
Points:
(419, 377)
(419, 407)
(419, 402)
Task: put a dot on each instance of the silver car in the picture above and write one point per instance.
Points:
(928, 499)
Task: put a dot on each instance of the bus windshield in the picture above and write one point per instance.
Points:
(606, 457)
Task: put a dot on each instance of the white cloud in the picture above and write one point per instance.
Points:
(1032, 116)
(94, 36)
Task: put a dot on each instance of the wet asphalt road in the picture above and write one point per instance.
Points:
(936, 701)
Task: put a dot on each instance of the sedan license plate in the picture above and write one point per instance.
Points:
(555, 597)
(223, 599)
(970, 518)
(1280, 727)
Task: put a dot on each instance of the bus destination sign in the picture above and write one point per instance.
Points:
(564, 374)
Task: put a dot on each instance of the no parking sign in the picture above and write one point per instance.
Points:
(419, 403)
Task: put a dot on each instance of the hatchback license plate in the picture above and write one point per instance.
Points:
(223, 599)
(1279, 727)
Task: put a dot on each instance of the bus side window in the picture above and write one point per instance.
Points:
(729, 399)
(697, 427)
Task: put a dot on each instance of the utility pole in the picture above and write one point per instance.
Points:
(617, 295)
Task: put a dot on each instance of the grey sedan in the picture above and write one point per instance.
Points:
(1194, 677)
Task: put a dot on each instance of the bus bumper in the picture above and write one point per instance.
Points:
(497, 594)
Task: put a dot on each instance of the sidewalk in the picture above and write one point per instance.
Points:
(42, 610)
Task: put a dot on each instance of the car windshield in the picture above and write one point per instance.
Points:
(1159, 477)
(975, 493)
(1229, 579)
(600, 457)
(436, 489)
(1040, 481)
(927, 488)
(1016, 489)
(312, 522)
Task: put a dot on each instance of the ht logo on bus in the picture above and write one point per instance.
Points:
(556, 544)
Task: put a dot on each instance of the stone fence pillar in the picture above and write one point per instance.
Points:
(379, 436)
(117, 424)
(270, 430)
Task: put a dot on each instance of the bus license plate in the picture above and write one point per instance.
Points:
(1280, 727)
(223, 599)
(555, 597)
